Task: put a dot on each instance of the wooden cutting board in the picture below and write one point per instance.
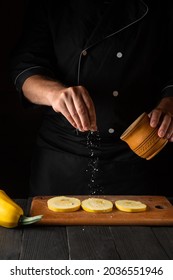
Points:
(159, 212)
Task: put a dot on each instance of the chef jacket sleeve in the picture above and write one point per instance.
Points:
(168, 90)
(34, 53)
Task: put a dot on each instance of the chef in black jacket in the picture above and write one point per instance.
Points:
(95, 66)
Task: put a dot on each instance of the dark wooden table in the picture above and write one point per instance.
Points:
(85, 242)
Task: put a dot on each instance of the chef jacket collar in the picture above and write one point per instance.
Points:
(119, 15)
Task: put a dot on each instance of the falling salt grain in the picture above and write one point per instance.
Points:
(93, 142)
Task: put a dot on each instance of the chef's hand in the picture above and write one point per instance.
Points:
(77, 107)
(162, 116)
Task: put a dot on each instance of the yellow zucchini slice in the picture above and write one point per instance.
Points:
(97, 205)
(130, 205)
(64, 204)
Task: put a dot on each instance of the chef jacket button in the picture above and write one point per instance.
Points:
(111, 130)
(84, 53)
(119, 54)
(115, 93)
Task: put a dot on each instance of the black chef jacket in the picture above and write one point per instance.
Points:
(121, 51)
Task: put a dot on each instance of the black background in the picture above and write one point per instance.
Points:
(18, 126)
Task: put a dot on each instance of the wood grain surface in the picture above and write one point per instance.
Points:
(159, 212)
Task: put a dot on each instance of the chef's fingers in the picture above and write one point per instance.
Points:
(76, 105)
(91, 109)
(164, 126)
(63, 104)
(72, 106)
(89, 105)
(165, 107)
(81, 108)
(65, 112)
(74, 115)
(155, 117)
(169, 133)
(170, 139)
